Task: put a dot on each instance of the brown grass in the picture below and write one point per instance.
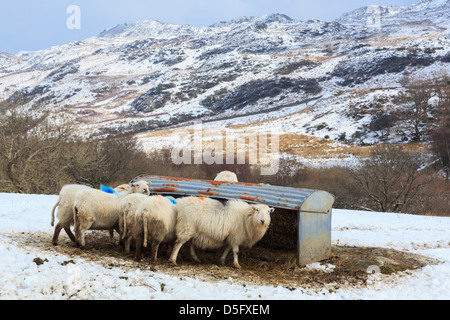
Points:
(305, 146)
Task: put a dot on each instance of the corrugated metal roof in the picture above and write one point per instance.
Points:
(274, 196)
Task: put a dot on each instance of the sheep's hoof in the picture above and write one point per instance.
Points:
(236, 265)
(173, 262)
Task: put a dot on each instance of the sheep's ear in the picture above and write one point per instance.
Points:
(272, 210)
(253, 209)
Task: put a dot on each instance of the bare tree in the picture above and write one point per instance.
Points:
(417, 110)
(391, 177)
(440, 145)
(27, 143)
(38, 157)
(382, 122)
(440, 134)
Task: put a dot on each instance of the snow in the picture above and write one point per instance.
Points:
(87, 79)
(64, 277)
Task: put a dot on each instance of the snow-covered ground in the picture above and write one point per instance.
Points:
(60, 278)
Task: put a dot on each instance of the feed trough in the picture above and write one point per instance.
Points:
(313, 208)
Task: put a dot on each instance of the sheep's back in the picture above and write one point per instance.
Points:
(97, 202)
(130, 203)
(68, 192)
(206, 220)
(161, 214)
(161, 209)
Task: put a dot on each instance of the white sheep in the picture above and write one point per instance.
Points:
(65, 205)
(65, 210)
(97, 210)
(128, 207)
(226, 176)
(125, 189)
(122, 188)
(155, 220)
(211, 224)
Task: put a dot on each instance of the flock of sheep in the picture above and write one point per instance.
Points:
(142, 218)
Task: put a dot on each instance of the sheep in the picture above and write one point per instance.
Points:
(65, 213)
(226, 176)
(155, 220)
(66, 199)
(98, 210)
(125, 189)
(137, 187)
(128, 207)
(211, 224)
(122, 187)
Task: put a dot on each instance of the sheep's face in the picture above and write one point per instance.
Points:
(140, 187)
(261, 214)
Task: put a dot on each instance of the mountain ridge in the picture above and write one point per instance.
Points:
(152, 75)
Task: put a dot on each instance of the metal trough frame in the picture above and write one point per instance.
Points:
(313, 207)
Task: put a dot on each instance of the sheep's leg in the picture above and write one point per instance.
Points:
(125, 241)
(127, 244)
(235, 257)
(58, 229)
(111, 236)
(224, 255)
(139, 243)
(139, 240)
(69, 233)
(168, 248)
(155, 246)
(193, 254)
(176, 249)
(117, 228)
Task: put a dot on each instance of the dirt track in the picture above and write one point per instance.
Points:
(260, 266)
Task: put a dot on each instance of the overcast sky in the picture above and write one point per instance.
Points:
(39, 24)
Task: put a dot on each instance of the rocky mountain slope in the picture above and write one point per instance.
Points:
(314, 78)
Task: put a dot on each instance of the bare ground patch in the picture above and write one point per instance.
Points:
(260, 266)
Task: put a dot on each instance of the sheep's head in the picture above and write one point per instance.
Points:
(140, 187)
(261, 214)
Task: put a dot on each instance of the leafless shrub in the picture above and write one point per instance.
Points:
(391, 177)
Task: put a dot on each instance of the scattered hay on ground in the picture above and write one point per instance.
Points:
(347, 267)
